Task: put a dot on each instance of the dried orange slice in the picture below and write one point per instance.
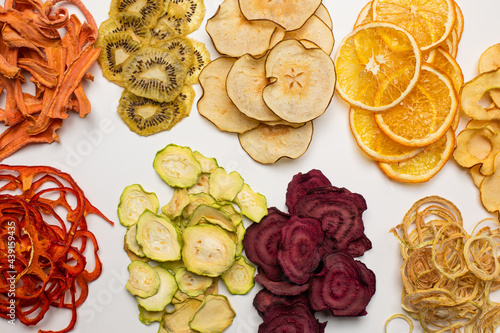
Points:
(429, 21)
(425, 165)
(365, 15)
(373, 142)
(377, 66)
(425, 115)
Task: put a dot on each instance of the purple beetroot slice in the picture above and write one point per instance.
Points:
(298, 252)
(264, 299)
(344, 286)
(359, 246)
(297, 318)
(301, 183)
(261, 242)
(281, 288)
(339, 211)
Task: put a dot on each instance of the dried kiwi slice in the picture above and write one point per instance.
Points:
(180, 46)
(124, 23)
(154, 73)
(116, 48)
(200, 60)
(147, 10)
(145, 116)
(185, 16)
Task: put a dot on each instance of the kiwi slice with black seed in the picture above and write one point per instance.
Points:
(148, 10)
(163, 30)
(185, 16)
(145, 116)
(124, 23)
(186, 97)
(200, 60)
(154, 73)
(116, 48)
(181, 47)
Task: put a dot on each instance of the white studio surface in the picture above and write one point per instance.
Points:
(103, 156)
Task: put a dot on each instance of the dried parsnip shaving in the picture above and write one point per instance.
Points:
(447, 273)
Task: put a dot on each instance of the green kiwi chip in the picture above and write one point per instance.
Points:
(181, 46)
(124, 23)
(154, 73)
(185, 16)
(200, 60)
(116, 48)
(148, 11)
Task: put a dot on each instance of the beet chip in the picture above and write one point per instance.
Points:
(265, 299)
(297, 318)
(301, 183)
(344, 286)
(339, 211)
(261, 242)
(282, 288)
(298, 252)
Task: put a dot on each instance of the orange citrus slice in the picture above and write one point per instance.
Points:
(425, 115)
(377, 66)
(373, 142)
(429, 21)
(365, 15)
(425, 165)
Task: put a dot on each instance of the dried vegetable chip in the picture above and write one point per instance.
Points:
(44, 236)
(447, 273)
(179, 254)
(276, 78)
(305, 255)
(397, 71)
(56, 49)
(145, 48)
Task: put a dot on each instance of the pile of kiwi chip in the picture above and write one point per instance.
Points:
(276, 75)
(145, 48)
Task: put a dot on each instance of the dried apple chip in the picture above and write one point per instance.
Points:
(324, 15)
(245, 82)
(215, 104)
(490, 60)
(267, 144)
(315, 31)
(290, 15)
(490, 188)
(302, 81)
(233, 35)
(474, 90)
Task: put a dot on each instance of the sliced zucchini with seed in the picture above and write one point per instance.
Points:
(252, 205)
(195, 200)
(133, 202)
(208, 249)
(131, 241)
(208, 164)
(240, 233)
(201, 185)
(224, 186)
(232, 212)
(143, 280)
(177, 166)
(147, 317)
(211, 215)
(175, 206)
(172, 265)
(165, 293)
(192, 284)
(178, 320)
(239, 279)
(213, 316)
(159, 237)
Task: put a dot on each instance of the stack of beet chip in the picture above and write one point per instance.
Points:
(306, 259)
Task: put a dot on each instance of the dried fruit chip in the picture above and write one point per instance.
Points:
(302, 81)
(267, 144)
(315, 31)
(233, 35)
(474, 90)
(215, 104)
(490, 60)
(290, 15)
(377, 65)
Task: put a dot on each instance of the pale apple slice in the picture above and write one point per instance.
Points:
(324, 15)
(245, 82)
(267, 144)
(290, 14)
(233, 35)
(302, 81)
(315, 31)
(215, 104)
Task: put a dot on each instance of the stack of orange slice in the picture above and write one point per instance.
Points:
(398, 72)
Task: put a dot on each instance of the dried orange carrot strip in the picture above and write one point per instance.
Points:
(26, 29)
(41, 73)
(8, 70)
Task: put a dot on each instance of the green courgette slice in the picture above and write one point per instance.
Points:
(134, 200)
(177, 166)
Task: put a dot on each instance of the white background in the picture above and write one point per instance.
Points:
(103, 156)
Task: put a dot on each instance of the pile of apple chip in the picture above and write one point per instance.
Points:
(398, 73)
(275, 77)
(478, 144)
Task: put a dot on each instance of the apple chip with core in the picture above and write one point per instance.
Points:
(474, 90)
(303, 81)
(267, 144)
(290, 15)
(315, 31)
